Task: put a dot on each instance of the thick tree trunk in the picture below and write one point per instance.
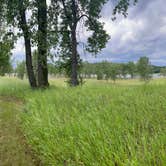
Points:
(74, 60)
(42, 44)
(24, 27)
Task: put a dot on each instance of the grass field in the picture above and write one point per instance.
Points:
(99, 124)
(13, 150)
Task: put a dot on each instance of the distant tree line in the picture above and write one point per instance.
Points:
(107, 70)
(103, 70)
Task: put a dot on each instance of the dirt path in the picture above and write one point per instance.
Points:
(13, 151)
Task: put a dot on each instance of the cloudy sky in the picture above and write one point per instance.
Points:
(142, 33)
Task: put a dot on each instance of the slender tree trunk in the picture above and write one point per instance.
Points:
(42, 44)
(74, 60)
(31, 75)
(24, 27)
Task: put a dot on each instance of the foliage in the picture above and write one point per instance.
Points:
(122, 6)
(107, 70)
(163, 72)
(55, 26)
(6, 45)
(114, 72)
(33, 27)
(6, 42)
(53, 69)
(131, 67)
(5, 65)
(73, 13)
(21, 70)
(144, 68)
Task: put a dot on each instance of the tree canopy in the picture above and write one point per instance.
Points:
(55, 25)
(6, 44)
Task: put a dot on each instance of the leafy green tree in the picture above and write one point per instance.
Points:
(107, 67)
(4, 58)
(131, 67)
(144, 68)
(114, 71)
(16, 17)
(6, 44)
(21, 70)
(53, 69)
(163, 72)
(10, 69)
(99, 75)
(122, 7)
(35, 32)
(123, 70)
(72, 13)
(86, 70)
(101, 70)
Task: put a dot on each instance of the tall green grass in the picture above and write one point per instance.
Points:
(13, 87)
(99, 124)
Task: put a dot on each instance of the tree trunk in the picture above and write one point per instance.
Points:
(31, 75)
(42, 44)
(24, 27)
(74, 59)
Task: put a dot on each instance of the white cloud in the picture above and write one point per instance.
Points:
(19, 50)
(142, 33)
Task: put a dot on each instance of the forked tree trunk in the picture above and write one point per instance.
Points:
(42, 44)
(24, 27)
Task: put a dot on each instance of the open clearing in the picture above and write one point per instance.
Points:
(99, 124)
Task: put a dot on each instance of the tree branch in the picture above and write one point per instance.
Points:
(83, 15)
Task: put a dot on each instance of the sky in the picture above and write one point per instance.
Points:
(142, 33)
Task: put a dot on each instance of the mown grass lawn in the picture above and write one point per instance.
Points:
(99, 124)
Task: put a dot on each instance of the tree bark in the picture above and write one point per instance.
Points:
(42, 44)
(24, 27)
(74, 60)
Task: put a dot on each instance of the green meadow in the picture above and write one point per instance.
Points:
(99, 124)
